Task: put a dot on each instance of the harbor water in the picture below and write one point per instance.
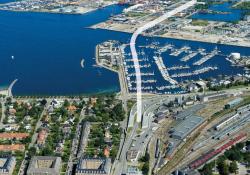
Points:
(226, 13)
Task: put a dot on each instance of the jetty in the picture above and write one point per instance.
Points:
(207, 57)
(177, 52)
(142, 74)
(188, 57)
(163, 70)
(165, 48)
(195, 72)
(180, 67)
(161, 88)
(11, 87)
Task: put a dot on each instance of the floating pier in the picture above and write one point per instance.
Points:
(163, 70)
(207, 57)
(196, 72)
(188, 57)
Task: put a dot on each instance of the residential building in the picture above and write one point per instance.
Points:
(84, 138)
(133, 170)
(7, 165)
(41, 138)
(13, 147)
(93, 166)
(44, 165)
(71, 108)
(106, 152)
(10, 136)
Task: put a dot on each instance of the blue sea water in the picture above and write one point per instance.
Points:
(233, 14)
(5, 1)
(48, 48)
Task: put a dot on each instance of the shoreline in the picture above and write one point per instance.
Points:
(87, 10)
(97, 93)
(180, 36)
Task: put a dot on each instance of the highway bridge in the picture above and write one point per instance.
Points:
(134, 53)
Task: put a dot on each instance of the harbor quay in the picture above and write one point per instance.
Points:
(203, 22)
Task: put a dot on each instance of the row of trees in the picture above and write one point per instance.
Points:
(145, 161)
(237, 83)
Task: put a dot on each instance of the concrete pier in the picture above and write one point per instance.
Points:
(10, 88)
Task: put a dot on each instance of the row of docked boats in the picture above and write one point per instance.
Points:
(195, 72)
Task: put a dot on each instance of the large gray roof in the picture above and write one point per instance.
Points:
(186, 126)
(53, 170)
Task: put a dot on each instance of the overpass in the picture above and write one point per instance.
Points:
(134, 53)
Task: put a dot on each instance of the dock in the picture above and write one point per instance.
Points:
(163, 70)
(188, 57)
(195, 72)
(206, 57)
(11, 87)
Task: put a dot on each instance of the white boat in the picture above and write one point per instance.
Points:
(82, 63)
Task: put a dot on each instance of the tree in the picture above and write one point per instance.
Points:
(207, 169)
(32, 152)
(234, 154)
(118, 114)
(26, 140)
(248, 143)
(145, 168)
(44, 102)
(113, 152)
(240, 145)
(47, 151)
(66, 103)
(145, 158)
(8, 101)
(233, 167)
(223, 168)
(247, 158)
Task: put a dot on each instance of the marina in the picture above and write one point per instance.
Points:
(167, 72)
(161, 71)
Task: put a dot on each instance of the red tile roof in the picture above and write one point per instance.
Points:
(15, 147)
(41, 136)
(7, 135)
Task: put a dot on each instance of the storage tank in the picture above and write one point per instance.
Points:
(235, 55)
